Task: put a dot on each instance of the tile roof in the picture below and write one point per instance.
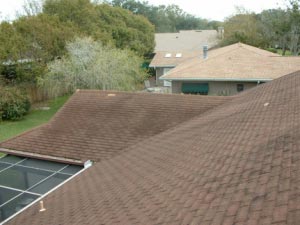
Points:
(235, 62)
(96, 125)
(236, 164)
(188, 40)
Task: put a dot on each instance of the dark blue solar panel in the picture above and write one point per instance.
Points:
(23, 180)
(50, 183)
(7, 194)
(11, 159)
(22, 177)
(42, 164)
(71, 169)
(15, 205)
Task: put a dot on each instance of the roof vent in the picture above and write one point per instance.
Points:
(205, 50)
(266, 104)
(111, 95)
(178, 55)
(42, 208)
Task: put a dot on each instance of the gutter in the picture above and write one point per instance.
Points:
(164, 66)
(218, 79)
(42, 157)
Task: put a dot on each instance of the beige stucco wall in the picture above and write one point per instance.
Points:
(159, 72)
(217, 87)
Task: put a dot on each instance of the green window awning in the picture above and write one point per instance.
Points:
(195, 88)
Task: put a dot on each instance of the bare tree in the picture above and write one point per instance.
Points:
(90, 65)
(33, 7)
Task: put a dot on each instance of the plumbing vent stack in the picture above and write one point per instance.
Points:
(205, 50)
(42, 208)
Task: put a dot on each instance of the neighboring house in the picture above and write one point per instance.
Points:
(163, 62)
(185, 40)
(229, 70)
(164, 160)
(174, 48)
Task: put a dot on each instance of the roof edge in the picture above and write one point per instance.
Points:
(217, 79)
(40, 156)
(153, 66)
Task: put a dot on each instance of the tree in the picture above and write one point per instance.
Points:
(29, 43)
(33, 7)
(170, 18)
(276, 27)
(243, 28)
(126, 29)
(110, 25)
(294, 11)
(44, 36)
(90, 65)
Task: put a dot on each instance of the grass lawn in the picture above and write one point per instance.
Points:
(35, 117)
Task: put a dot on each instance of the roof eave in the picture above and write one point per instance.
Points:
(217, 79)
(161, 66)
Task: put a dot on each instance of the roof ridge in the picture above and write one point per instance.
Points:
(252, 49)
(145, 93)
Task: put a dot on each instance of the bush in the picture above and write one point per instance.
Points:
(14, 104)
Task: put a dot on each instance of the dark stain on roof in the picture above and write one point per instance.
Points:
(237, 164)
(97, 125)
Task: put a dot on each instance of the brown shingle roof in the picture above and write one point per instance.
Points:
(185, 40)
(237, 164)
(235, 62)
(93, 125)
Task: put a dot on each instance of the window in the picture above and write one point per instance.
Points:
(167, 83)
(239, 87)
(178, 55)
(23, 180)
(168, 55)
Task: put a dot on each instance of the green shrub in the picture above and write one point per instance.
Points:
(14, 104)
(272, 50)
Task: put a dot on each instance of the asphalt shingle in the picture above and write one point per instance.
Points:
(236, 164)
(235, 62)
(97, 125)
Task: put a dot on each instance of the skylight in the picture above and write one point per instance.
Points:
(178, 55)
(168, 55)
(23, 180)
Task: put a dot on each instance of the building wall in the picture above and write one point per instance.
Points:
(217, 87)
(159, 72)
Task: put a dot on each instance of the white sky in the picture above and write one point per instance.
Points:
(209, 9)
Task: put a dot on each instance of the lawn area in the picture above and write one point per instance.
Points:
(35, 117)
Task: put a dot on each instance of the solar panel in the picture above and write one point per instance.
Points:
(23, 180)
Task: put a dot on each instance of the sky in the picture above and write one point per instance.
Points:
(208, 9)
